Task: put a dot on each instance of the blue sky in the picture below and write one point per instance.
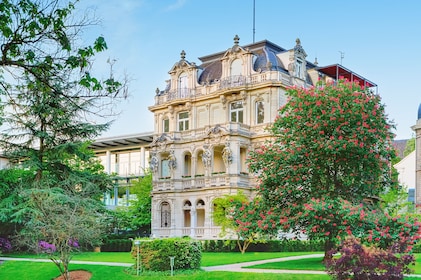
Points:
(380, 39)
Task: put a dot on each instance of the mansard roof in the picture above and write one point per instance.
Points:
(265, 52)
(419, 112)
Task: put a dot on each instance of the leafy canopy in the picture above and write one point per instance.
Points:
(331, 148)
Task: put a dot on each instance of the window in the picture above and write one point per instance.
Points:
(260, 112)
(165, 125)
(236, 112)
(183, 121)
(236, 67)
(299, 68)
(165, 169)
(165, 214)
(182, 86)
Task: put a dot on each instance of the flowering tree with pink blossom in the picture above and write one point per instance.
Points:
(327, 162)
(238, 215)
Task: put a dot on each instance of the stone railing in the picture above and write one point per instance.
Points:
(225, 83)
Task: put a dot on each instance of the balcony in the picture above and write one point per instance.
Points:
(233, 82)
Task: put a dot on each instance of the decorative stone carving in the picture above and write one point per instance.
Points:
(207, 157)
(153, 163)
(172, 161)
(227, 155)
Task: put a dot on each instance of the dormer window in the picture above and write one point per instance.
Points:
(299, 68)
(236, 68)
(182, 85)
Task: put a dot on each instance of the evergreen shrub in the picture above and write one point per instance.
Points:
(155, 254)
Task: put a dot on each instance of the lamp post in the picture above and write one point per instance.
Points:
(137, 244)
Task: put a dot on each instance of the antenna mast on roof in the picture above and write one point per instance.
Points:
(254, 21)
(342, 56)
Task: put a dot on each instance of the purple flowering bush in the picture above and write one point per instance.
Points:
(46, 247)
(361, 262)
(5, 245)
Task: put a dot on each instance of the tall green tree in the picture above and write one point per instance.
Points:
(50, 98)
(137, 216)
(237, 214)
(333, 142)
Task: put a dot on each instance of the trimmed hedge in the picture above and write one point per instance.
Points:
(285, 245)
(116, 245)
(155, 254)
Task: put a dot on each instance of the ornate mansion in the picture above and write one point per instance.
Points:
(207, 119)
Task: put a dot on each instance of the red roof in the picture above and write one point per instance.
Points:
(336, 71)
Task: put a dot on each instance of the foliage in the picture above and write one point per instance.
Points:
(395, 201)
(410, 147)
(284, 245)
(116, 245)
(155, 254)
(39, 42)
(58, 222)
(235, 213)
(5, 245)
(332, 141)
(358, 261)
(140, 209)
(49, 99)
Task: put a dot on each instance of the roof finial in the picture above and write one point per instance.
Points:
(183, 55)
(236, 40)
(298, 41)
(315, 61)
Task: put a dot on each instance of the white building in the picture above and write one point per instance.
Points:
(209, 117)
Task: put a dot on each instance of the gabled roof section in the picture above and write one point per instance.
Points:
(337, 71)
(183, 63)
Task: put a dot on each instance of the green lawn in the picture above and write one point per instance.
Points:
(35, 271)
(316, 264)
(31, 270)
(305, 264)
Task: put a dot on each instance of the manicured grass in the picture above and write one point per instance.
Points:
(304, 264)
(35, 271)
(208, 259)
(211, 259)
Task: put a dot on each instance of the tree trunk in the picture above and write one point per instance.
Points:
(329, 245)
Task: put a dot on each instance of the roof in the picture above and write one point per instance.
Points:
(123, 141)
(336, 71)
(399, 146)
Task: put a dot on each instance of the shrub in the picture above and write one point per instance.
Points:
(5, 245)
(358, 262)
(155, 254)
(116, 245)
(284, 245)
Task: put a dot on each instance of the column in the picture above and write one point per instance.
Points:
(417, 129)
(108, 162)
(142, 161)
(193, 221)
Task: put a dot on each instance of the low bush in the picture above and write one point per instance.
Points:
(285, 245)
(360, 262)
(155, 254)
(116, 245)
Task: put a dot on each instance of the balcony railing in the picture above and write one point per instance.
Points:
(225, 83)
(211, 232)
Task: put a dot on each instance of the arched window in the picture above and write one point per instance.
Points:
(260, 112)
(183, 85)
(236, 68)
(165, 214)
